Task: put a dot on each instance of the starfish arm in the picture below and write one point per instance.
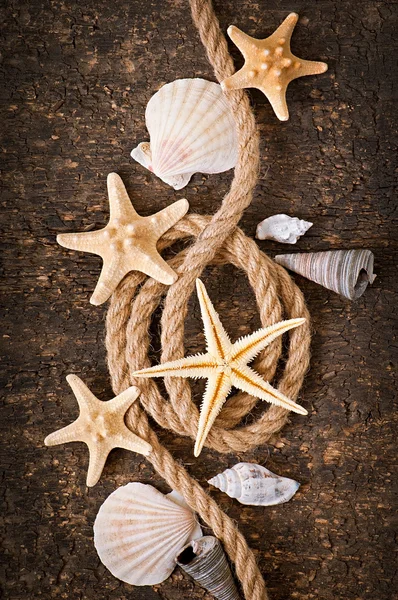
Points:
(217, 389)
(70, 433)
(277, 99)
(129, 441)
(123, 401)
(148, 261)
(217, 340)
(307, 67)
(163, 220)
(197, 366)
(113, 271)
(245, 349)
(119, 202)
(239, 80)
(98, 455)
(249, 381)
(285, 29)
(244, 42)
(86, 241)
(85, 397)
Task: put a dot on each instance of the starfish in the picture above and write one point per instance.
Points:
(128, 242)
(101, 426)
(225, 365)
(270, 65)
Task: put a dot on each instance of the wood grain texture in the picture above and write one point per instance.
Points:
(76, 78)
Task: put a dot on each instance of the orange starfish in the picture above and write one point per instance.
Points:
(270, 65)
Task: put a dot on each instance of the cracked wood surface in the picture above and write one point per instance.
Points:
(76, 80)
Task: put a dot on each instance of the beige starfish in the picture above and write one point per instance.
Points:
(269, 65)
(225, 365)
(101, 426)
(128, 242)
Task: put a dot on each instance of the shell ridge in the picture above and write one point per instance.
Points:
(215, 134)
(145, 551)
(175, 143)
(128, 548)
(210, 165)
(165, 92)
(139, 525)
(168, 122)
(150, 559)
(147, 504)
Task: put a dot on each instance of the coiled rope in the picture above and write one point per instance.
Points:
(217, 240)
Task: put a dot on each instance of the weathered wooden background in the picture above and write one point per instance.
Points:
(76, 80)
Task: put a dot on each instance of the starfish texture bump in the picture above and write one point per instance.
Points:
(225, 365)
(270, 65)
(128, 242)
(101, 426)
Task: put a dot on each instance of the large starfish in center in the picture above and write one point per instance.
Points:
(128, 242)
(270, 65)
(225, 365)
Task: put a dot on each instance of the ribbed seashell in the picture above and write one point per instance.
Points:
(138, 532)
(191, 129)
(205, 561)
(346, 272)
(255, 485)
(282, 228)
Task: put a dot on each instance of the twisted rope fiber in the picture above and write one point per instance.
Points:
(217, 241)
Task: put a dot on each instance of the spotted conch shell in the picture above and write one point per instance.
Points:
(282, 228)
(205, 561)
(346, 272)
(255, 485)
(191, 129)
(138, 532)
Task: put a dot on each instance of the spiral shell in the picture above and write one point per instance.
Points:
(192, 130)
(282, 228)
(204, 560)
(255, 485)
(139, 531)
(346, 272)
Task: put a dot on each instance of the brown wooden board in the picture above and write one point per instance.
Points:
(76, 77)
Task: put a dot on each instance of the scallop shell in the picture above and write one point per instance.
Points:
(191, 128)
(346, 272)
(204, 560)
(139, 531)
(282, 228)
(255, 485)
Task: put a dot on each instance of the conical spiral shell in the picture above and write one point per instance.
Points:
(346, 272)
(205, 561)
(138, 532)
(255, 485)
(191, 129)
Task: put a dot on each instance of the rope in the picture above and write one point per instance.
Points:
(217, 240)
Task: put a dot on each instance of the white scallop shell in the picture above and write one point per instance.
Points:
(282, 228)
(255, 485)
(191, 128)
(138, 532)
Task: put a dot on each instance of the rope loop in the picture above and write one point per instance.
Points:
(128, 342)
(217, 240)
